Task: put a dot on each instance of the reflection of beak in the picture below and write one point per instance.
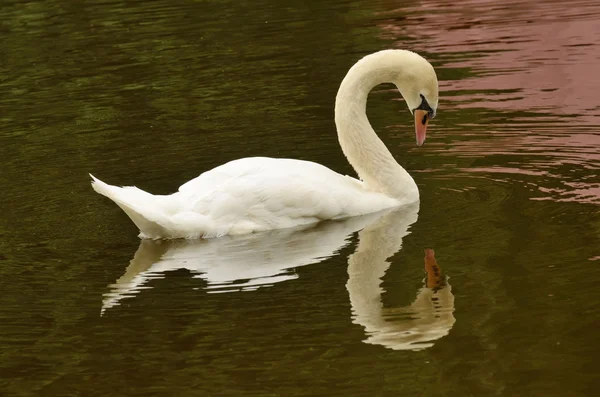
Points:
(434, 273)
(421, 120)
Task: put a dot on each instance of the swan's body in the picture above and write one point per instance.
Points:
(258, 193)
(246, 195)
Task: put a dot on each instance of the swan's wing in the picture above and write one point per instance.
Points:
(261, 193)
(251, 167)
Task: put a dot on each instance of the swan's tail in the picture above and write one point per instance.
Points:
(143, 208)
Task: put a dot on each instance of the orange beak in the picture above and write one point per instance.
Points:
(421, 120)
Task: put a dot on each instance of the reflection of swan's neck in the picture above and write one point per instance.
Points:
(368, 264)
(368, 155)
(414, 327)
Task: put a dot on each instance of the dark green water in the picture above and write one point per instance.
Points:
(153, 93)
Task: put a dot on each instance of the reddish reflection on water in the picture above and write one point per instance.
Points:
(531, 70)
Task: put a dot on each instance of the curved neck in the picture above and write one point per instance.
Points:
(362, 147)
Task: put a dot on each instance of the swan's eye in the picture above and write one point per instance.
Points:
(425, 106)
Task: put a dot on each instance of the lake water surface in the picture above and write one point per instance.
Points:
(489, 287)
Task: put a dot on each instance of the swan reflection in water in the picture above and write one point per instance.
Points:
(242, 263)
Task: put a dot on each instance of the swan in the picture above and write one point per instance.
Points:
(259, 193)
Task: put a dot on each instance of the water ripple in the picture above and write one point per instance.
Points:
(519, 98)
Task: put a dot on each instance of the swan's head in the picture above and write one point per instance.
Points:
(418, 84)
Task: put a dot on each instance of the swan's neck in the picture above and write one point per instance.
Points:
(362, 147)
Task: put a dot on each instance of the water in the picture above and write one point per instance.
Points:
(153, 93)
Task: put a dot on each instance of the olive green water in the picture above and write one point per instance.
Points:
(153, 93)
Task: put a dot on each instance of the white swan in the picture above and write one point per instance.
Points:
(258, 193)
